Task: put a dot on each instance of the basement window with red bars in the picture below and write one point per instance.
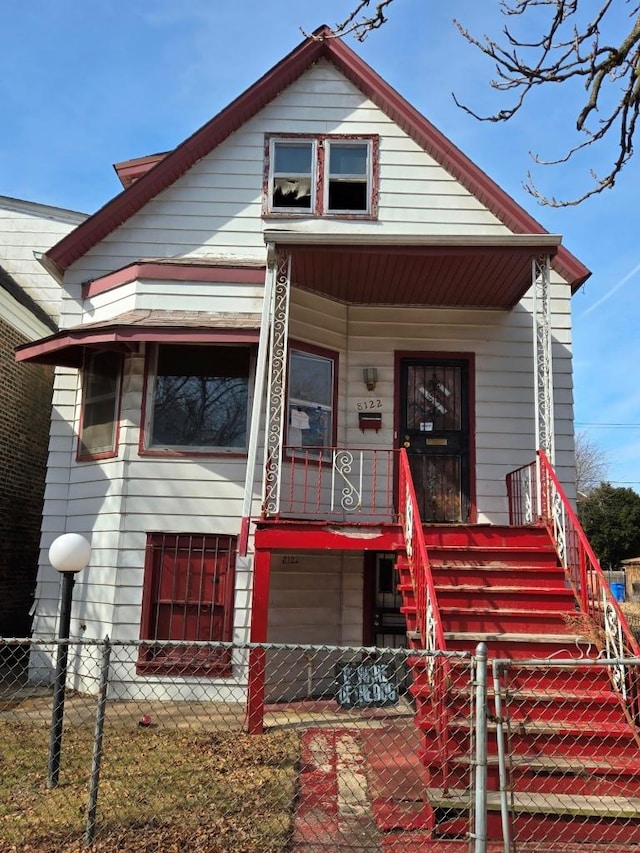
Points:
(187, 598)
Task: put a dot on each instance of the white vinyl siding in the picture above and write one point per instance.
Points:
(314, 599)
(26, 228)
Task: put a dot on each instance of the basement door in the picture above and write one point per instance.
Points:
(434, 428)
(384, 625)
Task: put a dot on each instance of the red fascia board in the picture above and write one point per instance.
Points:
(320, 45)
(287, 536)
(130, 170)
(131, 334)
(172, 272)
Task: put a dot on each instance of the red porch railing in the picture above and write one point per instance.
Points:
(428, 622)
(535, 495)
(336, 484)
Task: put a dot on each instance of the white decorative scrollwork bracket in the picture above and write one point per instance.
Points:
(542, 349)
(350, 493)
(614, 645)
(276, 395)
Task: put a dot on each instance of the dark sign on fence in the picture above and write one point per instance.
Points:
(366, 684)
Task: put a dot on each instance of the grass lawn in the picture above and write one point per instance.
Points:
(160, 790)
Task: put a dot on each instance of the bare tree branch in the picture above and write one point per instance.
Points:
(591, 464)
(569, 46)
(360, 27)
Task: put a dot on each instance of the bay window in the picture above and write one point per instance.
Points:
(100, 404)
(198, 397)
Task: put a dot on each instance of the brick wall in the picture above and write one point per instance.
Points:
(25, 411)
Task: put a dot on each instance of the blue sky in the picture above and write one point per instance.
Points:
(87, 84)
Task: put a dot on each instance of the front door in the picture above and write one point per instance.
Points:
(434, 428)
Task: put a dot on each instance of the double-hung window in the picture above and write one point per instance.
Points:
(293, 176)
(311, 404)
(100, 404)
(198, 398)
(321, 176)
(347, 181)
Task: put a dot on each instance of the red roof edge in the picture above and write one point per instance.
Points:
(321, 43)
(129, 171)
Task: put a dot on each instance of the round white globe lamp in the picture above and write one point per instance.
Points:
(69, 554)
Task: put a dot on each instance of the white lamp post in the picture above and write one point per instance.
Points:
(69, 554)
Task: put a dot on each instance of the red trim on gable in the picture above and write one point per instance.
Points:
(129, 171)
(172, 272)
(204, 140)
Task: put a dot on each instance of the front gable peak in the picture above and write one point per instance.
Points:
(144, 178)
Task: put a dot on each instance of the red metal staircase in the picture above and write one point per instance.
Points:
(570, 734)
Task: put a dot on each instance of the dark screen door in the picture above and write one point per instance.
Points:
(434, 428)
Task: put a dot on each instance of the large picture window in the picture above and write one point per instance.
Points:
(197, 397)
(100, 404)
(311, 403)
(187, 598)
(322, 175)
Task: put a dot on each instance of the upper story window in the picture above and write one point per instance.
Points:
(100, 404)
(197, 398)
(322, 175)
(347, 185)
(293, 175)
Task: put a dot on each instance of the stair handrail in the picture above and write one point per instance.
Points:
(582, 567)
(580, 561)
(428, 620)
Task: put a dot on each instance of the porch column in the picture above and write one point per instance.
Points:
(258, 392)
(258, 657)
(276, 394)
(543, 356)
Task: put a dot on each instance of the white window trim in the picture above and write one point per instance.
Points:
(286, 140)
(327, 176)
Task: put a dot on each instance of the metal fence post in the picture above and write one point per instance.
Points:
(480, 830)
(94, 784)
(498, 670)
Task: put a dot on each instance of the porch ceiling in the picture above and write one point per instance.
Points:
(483, 274)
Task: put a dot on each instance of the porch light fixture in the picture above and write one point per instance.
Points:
(68, 554)
(370, 377)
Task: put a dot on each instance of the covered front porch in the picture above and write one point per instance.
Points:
(368, 346)
(442, 383)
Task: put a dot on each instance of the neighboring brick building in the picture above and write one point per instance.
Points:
(29, 307)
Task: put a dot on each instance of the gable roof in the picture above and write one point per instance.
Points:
(322, 44)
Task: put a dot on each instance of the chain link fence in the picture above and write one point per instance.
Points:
(151, 759)
(356, 751)
(564, 748)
